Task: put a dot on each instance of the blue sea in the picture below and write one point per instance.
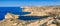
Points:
(18, 11)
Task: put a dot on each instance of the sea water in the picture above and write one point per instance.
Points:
(17, 11)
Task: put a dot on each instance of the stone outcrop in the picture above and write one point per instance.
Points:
(9, 15)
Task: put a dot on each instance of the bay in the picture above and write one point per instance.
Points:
(17, 11)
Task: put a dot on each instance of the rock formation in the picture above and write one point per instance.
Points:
(9, 15)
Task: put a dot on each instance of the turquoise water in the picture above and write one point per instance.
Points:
(18, 11)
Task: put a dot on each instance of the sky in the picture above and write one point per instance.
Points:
(16, 3)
